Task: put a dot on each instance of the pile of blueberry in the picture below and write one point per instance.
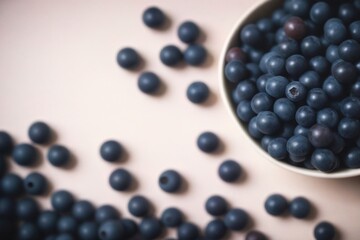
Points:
(295, 83)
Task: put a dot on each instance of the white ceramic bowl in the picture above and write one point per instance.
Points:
(263, 9)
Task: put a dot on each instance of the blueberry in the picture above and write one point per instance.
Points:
(295, 28)
(332, 88)
(171, 217)
(265, 142)
(349, 128)
(275, 86)
(276, 204)
(83, 210)
(287, 130)
(195, 55)
(28, 231)
(7, 208)
(335, 31)
(277, 16)
(62, 201)
(310, 79)
(355, 89)
(216, 205)
(297, 7)
(265, 25)
(300, 207)
(261, 82)
(320, 65)
(58, 155)
(139, 206)
(25, 154)
(148, 82)
(235, 71)
(120, 179)
(150, 228)
(105, 213)
(208, 142)
(11, 185)
(244, 111)
(324, 160)
(281, 36)
(215, 229)
(128, 58)
(295, 91)
(246, 89)
(311, 46)
(288, 48)
(88, 231)
(253, 129)
(111, 230)
(6, 143)
(264, 60)
(324, 231)
(298, 146)
(188, 32)
(300, 130)
(39, 132)
(170, 55)
(296, 65)
(197, 92)
(305, 116)
(320, 12)
(348, 13)
(130, 227)
(354, 30)
(275, 65)
(65, 236)
(285, 109)
(153, 17)
(253, 70)
(251, 35)
(327, 117)
(236, 219)
(267, 122)
(67, 224)
(170, 181)
(27, 209)
(255, 235)
(352, 158)
(35, 184)
(236, 54)
(47, 221)
(261, 102)
(277, 148)
(229, 171)
(350, 107)
(188, 231)
(111, 151)
(349, 50)
(317, 98)
(338, 144)
(332, 53)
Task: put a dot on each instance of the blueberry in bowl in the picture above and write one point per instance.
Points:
(289, 75)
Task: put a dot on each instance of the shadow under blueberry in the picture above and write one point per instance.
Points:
(212, 99)
(161, 91)
(165, 26)
(208, 61)
(134, 185)
(202, 38)
(220, 149)
(39, 161)
(184, 187)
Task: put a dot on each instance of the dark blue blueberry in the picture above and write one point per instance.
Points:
(295, 28)
(236, 54)
(349, 50)
(285, 109)
(28, 231)
(335, 31)
(354, 30)
(188, 32)
(280, 36)
(253, 129)
(6, 143)
(251, 35)
(277, 148)
(12, 185)
(317, 98)
(128, 58)
(150, 228)
(327, 117)
(332, 53)
(255, 235)
(188, 231)
(111, 230)
(311, 46)
(296, 65)
(324, 160)
(320, 65)
(130, 227)
(320, 12)
(349, 128)
(62, 201)
(350, 107)
(215, 229)
(197, 92)
(195, 55)
(58, 155)
(170, 181)
(294, 160)
(148, 82)
(314, 29)
(8, 228)
(297, 7)
(246, 89)
(153, 17)
(295, 91)
(310, 79)
(120, 179)
(352, 158)
(27, 209)
(358, 142)
(355, 89)
(236, 219)
(298, 146)
(235, 71)
(39, 132)
(265, 25)
(111, 151)
(267, 122)
(261, 102)
(275, 65)
(139, 206)
(338, 144)
(300, 130)
(216, 205)
(264, 60)
(67, 224)
(277, 16)
(287, 130)
(255, 55)
(332, 88)
(7, 208)
(35, 184)
(307, 164)
(208, 142)
(244, 111)
(88, 231)
(261, 82)
(348, 13)
(47, 221)
(170, 55)
(25, 154)
(288, 48)
(253, 70)
(276, 204)
(265, 142)
(65, 236)
(83, 210)
(229, 171)
(275, 86)
(324, 231)
(300, 207)
(171, 217)
(105, 213)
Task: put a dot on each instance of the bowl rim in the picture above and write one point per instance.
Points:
(229, 105)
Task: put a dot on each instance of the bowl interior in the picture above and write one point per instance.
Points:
(263, 9)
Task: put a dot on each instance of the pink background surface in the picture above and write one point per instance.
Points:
(57, 64)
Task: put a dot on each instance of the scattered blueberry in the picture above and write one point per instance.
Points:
(153, 17)
(67, 224)
(216, 205)
(255, 235)
(300, 207)
(236, 219)
(35, 184)
(170, 55)
(111, 151)
(150, 228)
(188, 32)
(105, 213)
(139, 206)
(187, 231)
(215, 229)
(58, 155)
(88, 231)
(83, 211)
(6, 143)
(197, 92)
(128, 58)
(62, 201)
(229, 171)
(148, 82)
(12, 185)
(120, 179)
(170, 181)
(39, 132)
(208, 142)
(111, 230)
(324, 231)
(276, 204)
(171, 217)
(25, 154)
